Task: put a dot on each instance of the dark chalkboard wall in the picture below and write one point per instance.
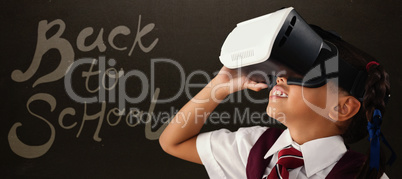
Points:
(47, 132)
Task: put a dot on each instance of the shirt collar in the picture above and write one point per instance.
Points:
(283, 141)
(318, 154)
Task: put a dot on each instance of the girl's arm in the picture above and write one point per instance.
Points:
(179, 137)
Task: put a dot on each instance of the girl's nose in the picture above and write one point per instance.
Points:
(281, 80)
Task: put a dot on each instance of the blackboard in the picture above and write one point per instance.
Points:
(146, 57)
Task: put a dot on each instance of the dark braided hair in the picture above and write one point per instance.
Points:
(377, 89)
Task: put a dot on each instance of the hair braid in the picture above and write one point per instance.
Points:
(377, 87)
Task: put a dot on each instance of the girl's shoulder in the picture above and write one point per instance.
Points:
(251, 132)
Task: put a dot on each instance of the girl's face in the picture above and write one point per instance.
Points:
(289, 102)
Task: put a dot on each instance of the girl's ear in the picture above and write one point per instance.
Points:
(347, 107)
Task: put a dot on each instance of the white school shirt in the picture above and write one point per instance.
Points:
(224, 154)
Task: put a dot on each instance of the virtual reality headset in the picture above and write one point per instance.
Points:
(283, 44)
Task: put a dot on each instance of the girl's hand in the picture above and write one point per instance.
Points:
(232, 80)
(179, 137)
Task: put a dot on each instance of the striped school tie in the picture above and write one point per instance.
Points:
(288, 158)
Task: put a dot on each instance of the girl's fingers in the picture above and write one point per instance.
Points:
(256, 86)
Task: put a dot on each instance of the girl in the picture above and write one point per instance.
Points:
(313, 144)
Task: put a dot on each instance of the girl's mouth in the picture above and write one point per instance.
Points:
(278, 92)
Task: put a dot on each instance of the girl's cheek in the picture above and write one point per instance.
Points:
(316, 97)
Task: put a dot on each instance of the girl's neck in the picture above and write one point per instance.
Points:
(304, 132)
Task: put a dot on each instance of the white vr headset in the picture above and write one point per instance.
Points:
(283, 41)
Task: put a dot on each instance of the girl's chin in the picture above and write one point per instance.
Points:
(273, 112)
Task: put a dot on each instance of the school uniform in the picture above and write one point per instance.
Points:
(225, 154)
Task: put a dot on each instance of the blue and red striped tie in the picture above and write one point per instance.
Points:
(288, 158)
